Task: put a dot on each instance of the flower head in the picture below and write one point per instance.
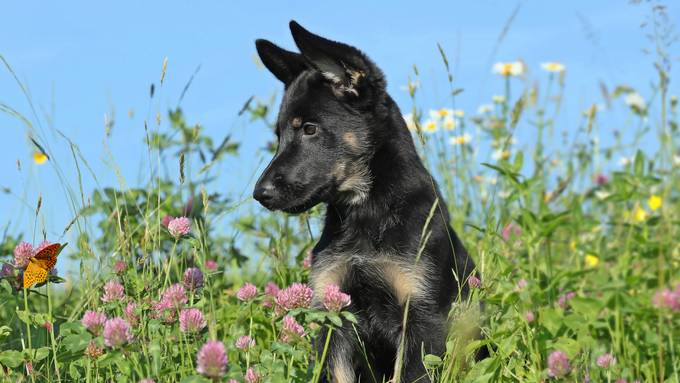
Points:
(655, 202)
(93, 321)
(252, 376)
(131, 314)
(179, 227)
(563, 301)
(39, 158)
(474, 281)
(191, 320)
(210, 265)
(591, 260)
(193, 279)
(461, 140)
(601, 179)
(507, 69)
(307, 261)
(334, 299)
(212, 359)
(270, 292)
(7, 271)
(636, 103)
(553, 67)
(430, 126)
(22, 254)
(113, 291)
(166, 220)
(529, 316)
(164, 311)
(93, 351)
(639, 214)
(147, 380)
(297, 295)
(175, 295)
(291, 329)
(558, 364)
(119, 267)
(244, 342)
(511, 230)
(668, 299)
(606, 360)
(117, 332)
(247, 292)
(522, 284)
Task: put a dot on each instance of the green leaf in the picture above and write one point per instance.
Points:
(194, 379)
(76, 342)
(335, 319)
(432, 361)
(41, 353)
(11, 358)
(588, 307)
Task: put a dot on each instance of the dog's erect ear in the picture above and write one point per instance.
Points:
(283, 64)
(346, 67)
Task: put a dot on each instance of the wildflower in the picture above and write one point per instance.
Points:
(334, 299)
(179, 227)
(93, 321)
(119, 267)
(29, 368)
(606, 360)
(563, 301)
(625, 161)
(474, 282)
(484, 109)
(591, 260)
(131, 314)
(147, 380)
(636, 102)
(500, 154)
(247, 292)
(529, 316)
(7, 271)
(117, 332)
(639, 214)
(191, 320)
(307, 261)
(459, 113)
(522, 284)
(164, 311)
(93, 351)
(22, 254)
(210, 265)
(48, 326)
(252, 376)
(410, 122)
(212, 359)
(601, 179)
(554, 67)
(461, 140)
(193, 279)
(430, 126)
(270, 292)
(507, 69)
(440, 113)
(175, 295)
(244, 342)
(291, 329)
(655, 202)
(510, 230)
(113, 291)
(498, 99)
(39, 158)
(558, 364)
(166, 220)
(297, 295)
(449, 123)
(668, 298)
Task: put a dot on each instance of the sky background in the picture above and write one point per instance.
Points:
(83, 60)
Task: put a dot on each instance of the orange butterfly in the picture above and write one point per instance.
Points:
(40, 265)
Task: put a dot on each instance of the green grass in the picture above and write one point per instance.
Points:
(591, 256)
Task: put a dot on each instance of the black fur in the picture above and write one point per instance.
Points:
(343, 142)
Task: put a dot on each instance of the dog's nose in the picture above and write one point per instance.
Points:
(264, 191)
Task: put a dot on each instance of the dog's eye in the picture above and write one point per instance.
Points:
(309, 128)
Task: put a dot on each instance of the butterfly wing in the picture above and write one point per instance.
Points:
(34, 274)
(47, 257)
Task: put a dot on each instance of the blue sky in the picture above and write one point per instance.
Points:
(82, 60)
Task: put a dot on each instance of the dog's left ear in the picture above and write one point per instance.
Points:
(350, 73)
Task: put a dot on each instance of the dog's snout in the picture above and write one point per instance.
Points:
(264, 191)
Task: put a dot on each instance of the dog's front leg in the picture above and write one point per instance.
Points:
(339, 361)
(424, 334)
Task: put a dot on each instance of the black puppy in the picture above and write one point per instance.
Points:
(343, 141)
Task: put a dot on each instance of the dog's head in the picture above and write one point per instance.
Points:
(326, 127)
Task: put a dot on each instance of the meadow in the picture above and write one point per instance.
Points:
(576, 242)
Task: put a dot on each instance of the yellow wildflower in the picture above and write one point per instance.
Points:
(449, 123)
(498, 99)
(572, 245)
(639, 214)
(430, 126)
(655, 202)
(553, 67)
(591, 260)
(459, 113)
(507, 69)
(461, 140)
(40, 158)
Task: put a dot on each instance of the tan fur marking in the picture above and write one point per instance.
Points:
(342, 371)
(331, 274)
(296, 122)
(351, 141)
(405, 282)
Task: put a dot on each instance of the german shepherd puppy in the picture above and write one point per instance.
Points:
(342, 141)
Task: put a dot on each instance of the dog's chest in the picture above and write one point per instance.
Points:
(375, 274)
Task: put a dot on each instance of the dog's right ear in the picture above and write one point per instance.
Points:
(283, 64)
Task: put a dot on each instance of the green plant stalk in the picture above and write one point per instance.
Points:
(51, 332)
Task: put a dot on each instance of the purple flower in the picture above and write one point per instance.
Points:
(307, 261)
(179, 227)
(558, 364)
(22, 254)
(113, 291)
(212, 359)
(563, 300)
(93, 321)
(119, 267)
(668, 298)
(166, 220)
(270, 292)
(252, 376)
(175, 295)
(7, 271)
(291, 330)
(297, 295)
(244, 342)
(247, 292)
(191, 320)
(601, 179)
(334, 299)
(117, 332)
(510, 230)
(164, 311)
(193, 279)
(131, 314)
(522, 284)
(606, 360)
(147, 380)
(210, 265)
(474, 282)
(529, 316)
